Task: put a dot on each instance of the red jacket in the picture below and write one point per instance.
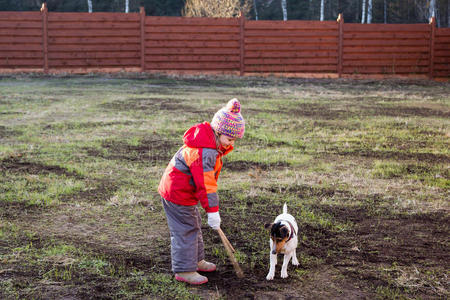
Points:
(192, 174)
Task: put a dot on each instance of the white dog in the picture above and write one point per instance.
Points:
(283, 239)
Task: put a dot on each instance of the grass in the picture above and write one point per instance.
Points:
(362, 165)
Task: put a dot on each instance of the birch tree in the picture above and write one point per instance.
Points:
(89, 3)
(363, 17)
(432, 10)
(284, 9)
(322, 10)
(127, 6)
(255, 9)
(385, 11)
(369, 12)
(426, 9)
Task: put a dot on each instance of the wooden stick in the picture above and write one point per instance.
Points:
(224, 237)
(229, 249)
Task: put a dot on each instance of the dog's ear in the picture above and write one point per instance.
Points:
(268, 226)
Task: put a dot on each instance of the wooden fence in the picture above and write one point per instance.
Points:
(108, 42)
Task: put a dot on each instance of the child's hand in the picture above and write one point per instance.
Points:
(214, 220)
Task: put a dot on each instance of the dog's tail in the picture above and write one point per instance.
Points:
(284, 208)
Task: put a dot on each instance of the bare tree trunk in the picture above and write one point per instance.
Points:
(89, 2)
(432, 8)
(127, 6)
(385, 11)
(284, 8)
(369, 12)
(310, 11)
(438, 18)
(256, 10)
(322, 10)
(363, 18)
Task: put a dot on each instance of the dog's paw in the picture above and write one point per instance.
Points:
(295, 261)
(284, 274)
(270, 276)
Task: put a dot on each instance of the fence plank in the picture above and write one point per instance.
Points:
(195, 66)
(290, 47)
(432, 41)
(191, 44)
(283, 25)
(292, 61)
(383, 70)
(340, 21)
(21, 25)
(195, 29)
(291, 54)
(198, 51)
(96, 54)
(389, 63)
(22, 16)
(289, 68)
(44, 12)
(242, 44)
(386, 42)
(92, 62)
(348, 27)
(21, 32)
(96, 16)
(171, 21)
(192, 58)
(97, 47)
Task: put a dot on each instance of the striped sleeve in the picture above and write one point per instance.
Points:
(205, 181)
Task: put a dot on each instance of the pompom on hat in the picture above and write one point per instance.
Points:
(229, 121)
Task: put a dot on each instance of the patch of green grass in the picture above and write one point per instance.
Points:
(393, 293)
(39, 189)
(155, 284)
(437, 175)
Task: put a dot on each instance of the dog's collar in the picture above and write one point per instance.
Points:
(292, 230)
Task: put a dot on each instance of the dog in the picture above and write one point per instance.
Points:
(283, 239)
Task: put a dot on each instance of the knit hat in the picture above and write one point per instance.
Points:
(229, 121)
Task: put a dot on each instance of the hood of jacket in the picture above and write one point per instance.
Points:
(202, 136)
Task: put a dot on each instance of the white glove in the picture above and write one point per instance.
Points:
(214, 220)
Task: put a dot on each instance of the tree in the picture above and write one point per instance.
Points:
(385, 11)
(322, 10)
(216, 9)
(369, 12)
(89, 2)
(255, 10)
(363, 12)
(425, 9)
(127, 6)
(284, 9)
(432, 9)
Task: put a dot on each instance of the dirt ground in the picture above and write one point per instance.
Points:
(380, 252)
(349, 265)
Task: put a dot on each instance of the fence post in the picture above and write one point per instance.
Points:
(340, 21)
(142, 15)
(432, 38)
(242, 43)
(44, 13)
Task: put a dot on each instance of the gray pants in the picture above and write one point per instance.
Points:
(186, 238)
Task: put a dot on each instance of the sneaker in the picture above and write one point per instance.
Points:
(204, 266)
(191, 277)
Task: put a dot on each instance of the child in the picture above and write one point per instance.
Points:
(190, 177)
